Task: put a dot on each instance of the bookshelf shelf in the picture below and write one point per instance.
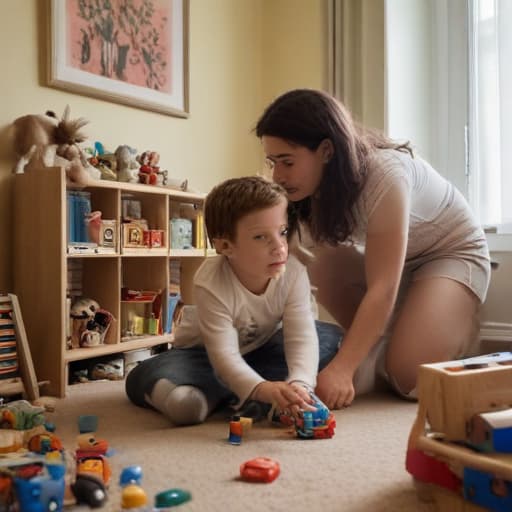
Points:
(126, 344)
(43, 265)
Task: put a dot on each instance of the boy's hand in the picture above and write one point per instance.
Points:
(287, 396)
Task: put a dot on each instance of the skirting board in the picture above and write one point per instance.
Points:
(495, 337)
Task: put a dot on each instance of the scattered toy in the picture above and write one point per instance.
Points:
(260, 469)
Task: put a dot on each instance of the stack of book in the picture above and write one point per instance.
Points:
(79, 207)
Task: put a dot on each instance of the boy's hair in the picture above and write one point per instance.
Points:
(234, 198)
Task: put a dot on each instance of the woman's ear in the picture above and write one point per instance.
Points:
(222, 246)
(327, 150)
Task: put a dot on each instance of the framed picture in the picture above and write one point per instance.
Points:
(132, 52)
(133, 235)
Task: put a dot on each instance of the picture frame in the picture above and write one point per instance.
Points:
(133, 235)
(133, 53)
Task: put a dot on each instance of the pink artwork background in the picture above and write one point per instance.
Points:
(130, 41)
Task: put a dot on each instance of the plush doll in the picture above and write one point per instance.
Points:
(44, 141)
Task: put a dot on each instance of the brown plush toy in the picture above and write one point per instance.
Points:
(44, 141)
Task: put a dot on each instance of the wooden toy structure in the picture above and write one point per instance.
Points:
(461, 442)
(17, 375)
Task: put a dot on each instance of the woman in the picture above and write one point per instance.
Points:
(397, 250)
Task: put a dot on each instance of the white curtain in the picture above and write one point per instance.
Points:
(490, 111)
(357, 58)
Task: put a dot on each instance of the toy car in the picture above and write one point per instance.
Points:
(260, 469)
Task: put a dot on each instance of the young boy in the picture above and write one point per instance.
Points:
(251, 332)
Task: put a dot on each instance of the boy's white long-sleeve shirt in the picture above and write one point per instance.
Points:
(231, 321)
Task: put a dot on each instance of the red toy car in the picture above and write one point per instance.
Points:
(260, 469)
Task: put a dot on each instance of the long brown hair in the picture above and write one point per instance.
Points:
(306, 117)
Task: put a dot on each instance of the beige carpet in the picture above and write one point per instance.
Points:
(360, 469)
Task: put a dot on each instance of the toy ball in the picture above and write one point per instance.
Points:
(133, 496)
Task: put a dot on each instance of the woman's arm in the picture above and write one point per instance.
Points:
(385, 249)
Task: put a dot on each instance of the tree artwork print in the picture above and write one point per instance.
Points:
(126, 40)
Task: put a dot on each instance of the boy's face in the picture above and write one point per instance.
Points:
(260, 249)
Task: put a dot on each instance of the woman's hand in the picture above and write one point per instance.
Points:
(287, 396)
(335, 387)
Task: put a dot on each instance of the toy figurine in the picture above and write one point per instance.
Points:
(149, 171)
(235, 431)
(127, 168)
(148, 167)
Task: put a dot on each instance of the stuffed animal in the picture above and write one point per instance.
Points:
(44, 141)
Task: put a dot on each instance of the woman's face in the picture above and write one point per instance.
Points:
(296, 168)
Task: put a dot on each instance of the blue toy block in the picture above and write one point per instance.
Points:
(487, 491)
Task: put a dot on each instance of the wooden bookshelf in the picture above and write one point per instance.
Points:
(41, 264)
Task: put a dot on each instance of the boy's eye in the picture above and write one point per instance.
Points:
(287, 163)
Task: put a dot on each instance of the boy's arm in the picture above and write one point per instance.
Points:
(221, 342)
(300, 336)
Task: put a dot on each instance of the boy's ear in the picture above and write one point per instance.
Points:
(222, 246)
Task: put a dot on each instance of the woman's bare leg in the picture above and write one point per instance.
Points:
(338, 273)
(438, 321)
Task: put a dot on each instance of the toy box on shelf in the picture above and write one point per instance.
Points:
(461, 441)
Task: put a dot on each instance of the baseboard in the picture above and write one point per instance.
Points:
(495, 337)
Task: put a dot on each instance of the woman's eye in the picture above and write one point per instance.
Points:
(284, 232)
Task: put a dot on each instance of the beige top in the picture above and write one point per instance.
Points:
(442, 228)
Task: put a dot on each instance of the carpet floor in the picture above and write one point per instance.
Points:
(360, 469)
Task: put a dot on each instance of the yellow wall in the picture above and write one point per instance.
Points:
(294, 46)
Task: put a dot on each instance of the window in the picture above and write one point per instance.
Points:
(490, 111)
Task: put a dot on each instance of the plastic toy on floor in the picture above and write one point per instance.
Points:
(21, 415)
(317, 424)
(260, 469)
(31, 484)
